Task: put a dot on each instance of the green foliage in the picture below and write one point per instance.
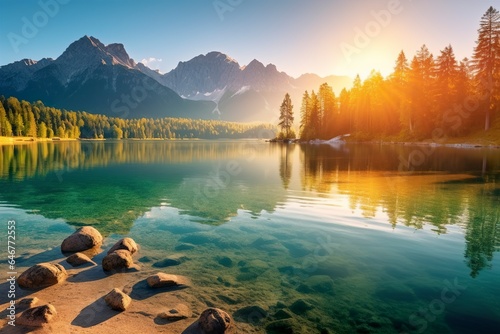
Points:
(37, 120)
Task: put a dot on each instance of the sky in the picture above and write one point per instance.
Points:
(326, 37)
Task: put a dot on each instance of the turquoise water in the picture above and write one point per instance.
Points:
(348, 239)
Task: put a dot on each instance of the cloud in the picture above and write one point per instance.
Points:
(152, 62)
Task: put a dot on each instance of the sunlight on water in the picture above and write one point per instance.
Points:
(338, 239)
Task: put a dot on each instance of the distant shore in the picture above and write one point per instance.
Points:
(28, 140)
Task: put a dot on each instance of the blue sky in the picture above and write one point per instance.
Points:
(326, 37)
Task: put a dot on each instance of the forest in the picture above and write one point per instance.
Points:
(22, 118)
(429, 97)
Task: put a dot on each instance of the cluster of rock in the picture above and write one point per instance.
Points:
(118, 258)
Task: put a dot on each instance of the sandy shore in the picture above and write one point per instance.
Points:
(81, 308)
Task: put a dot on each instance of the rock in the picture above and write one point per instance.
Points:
(171, 261)
(79, 259)
(317, 283)
(215, 321)
(37, 316)
(84, 238)
(300, 306)
(117, 300)
(118, 260)
(282, 314)
(161, 280)
(146, 259)
(125, 243)
(250, 314)
(280, 305)
(179, 312)
(288, 326)
(27, 303)
(42, 275)
(225, 261)
(184, 247)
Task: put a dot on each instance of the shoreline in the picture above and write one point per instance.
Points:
(426, 143)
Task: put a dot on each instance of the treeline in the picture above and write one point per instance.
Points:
(427, 97)
(22, 118)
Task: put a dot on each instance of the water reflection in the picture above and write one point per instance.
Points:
(111, 184)
(448, 187)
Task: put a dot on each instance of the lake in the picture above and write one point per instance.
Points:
(353, 238)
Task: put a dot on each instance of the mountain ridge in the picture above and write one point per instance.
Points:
(103, 79)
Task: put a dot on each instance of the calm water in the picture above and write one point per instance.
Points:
(374, 239)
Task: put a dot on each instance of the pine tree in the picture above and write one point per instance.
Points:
(286, 117)
(447, 76)
(486, 62)
(328, 111)
(305, 115)
(5, 127)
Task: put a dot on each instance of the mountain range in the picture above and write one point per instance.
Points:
(103, 79)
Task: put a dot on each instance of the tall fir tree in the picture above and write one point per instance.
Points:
(486, 62)
(286, 117)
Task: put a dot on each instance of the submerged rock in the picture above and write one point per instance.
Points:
(79, 259)
(161, 280)
(117, 300)
(125, 243)
(251, 314)
(225, 261)
(288, 326)
(118, 260)
(171, 261)
(179, 312)
(282, 314)
(37, 316)
(42, 275)
(317, 283)
(184, 247)
(84, 238)
(301, 306)
(215, 321)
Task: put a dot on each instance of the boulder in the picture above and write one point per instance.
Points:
(117, 300)
(84, 238)
(215, 321)
(37, 316)
(41, 276)
(161, 280)
(79, 259)
(125, 243)
(179, 312)
(118, 260)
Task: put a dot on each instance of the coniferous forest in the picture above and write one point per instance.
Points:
(22, 118)
(427, 97)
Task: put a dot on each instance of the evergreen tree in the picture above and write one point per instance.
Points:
(305, 115)
(486, 61)
(328, 111)
(286, 117)
(5, 127)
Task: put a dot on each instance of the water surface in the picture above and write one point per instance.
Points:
(348, 239)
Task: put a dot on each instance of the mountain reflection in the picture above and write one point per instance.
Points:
(111, 184)
(449, 187)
